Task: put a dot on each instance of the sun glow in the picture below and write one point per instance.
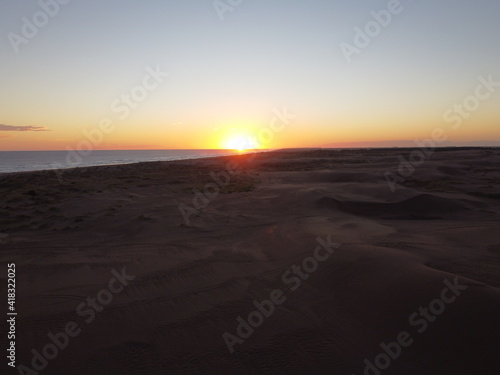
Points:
(240, 142)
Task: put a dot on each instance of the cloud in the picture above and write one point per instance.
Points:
(10, 128)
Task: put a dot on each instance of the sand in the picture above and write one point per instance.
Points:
(433, 243)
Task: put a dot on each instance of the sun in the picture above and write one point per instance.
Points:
(240, 142)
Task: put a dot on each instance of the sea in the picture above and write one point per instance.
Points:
(24, 161)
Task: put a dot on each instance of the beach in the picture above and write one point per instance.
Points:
(285, 262)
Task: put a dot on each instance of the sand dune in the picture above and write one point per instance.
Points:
(398, 252)
(424, 206)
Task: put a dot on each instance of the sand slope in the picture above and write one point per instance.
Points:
(193, 281)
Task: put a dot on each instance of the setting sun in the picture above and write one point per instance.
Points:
(240, 142)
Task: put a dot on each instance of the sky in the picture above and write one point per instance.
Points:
(164, 74)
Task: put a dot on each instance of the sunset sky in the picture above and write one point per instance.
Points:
(231, 73)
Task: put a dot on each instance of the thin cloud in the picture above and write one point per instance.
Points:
(10, 128)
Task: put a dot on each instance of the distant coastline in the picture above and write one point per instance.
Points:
(32, 161)
(37, 161)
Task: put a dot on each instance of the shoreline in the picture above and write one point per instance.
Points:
(119, 163)
(392, 149)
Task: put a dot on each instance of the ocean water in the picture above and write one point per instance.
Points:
(22, 161)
